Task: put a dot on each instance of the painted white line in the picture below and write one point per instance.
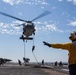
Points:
(65, 69)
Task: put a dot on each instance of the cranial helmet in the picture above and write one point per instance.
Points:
(73, 36)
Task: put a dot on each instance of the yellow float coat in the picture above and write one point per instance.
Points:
(71, 47)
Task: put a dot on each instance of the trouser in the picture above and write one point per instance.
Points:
(72, 69)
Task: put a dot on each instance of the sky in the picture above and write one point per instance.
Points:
(52, 28)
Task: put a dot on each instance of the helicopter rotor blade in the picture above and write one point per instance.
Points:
(42, 15)
(23, 24)
(12, 16)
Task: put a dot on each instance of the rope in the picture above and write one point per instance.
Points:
(24, 48)
(35, 57)
(33, 48)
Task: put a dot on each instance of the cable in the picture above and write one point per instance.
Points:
(33, 48)
(35, 57)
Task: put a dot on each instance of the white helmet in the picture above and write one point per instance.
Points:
(73, 36)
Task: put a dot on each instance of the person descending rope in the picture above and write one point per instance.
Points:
(19, 62)
(71, 47)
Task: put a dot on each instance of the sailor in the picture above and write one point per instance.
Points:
(71, 47)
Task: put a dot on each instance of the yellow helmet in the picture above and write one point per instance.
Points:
(73, 36)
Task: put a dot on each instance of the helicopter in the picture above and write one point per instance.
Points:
(28, 26)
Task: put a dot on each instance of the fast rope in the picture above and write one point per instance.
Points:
(33, 48)
(24, 57)
(24, 48)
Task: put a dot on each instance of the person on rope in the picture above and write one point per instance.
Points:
(43, 62)
(71, 47)
(19, 62)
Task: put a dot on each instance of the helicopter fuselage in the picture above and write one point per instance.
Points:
(28, 29)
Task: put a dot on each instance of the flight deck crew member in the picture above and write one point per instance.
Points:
(71, 47)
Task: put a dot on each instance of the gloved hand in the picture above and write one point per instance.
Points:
(45, 43)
